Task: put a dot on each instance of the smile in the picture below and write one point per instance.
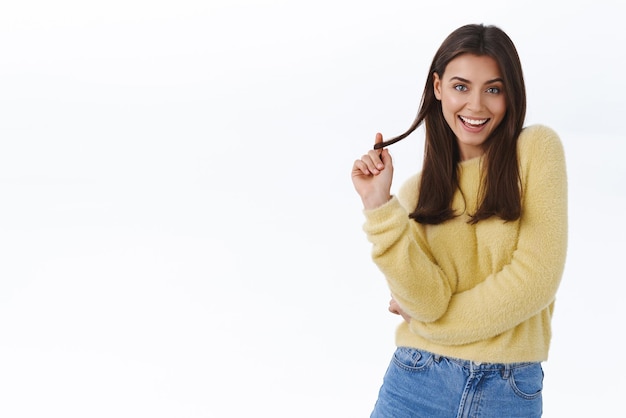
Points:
(473, 122)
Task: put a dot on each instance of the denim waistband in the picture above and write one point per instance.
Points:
(475, 366)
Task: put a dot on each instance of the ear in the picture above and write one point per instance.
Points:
(437, 86)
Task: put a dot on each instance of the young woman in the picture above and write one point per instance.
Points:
(473, 247)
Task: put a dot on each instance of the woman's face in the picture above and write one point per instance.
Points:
(471, 91)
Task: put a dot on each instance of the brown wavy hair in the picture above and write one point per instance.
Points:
(500, 188)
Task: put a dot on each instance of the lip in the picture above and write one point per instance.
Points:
(473, 127)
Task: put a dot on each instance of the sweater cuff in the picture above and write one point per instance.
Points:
(385, 217)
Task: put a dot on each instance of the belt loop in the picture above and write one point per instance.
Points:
(506, 372)
(437, 358)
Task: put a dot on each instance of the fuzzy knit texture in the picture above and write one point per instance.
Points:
(482, 292)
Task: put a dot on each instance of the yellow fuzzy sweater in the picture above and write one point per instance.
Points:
(482, 292)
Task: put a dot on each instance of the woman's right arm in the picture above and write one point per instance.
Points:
(414, 278)
(417, 283)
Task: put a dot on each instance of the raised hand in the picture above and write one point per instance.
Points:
(372, 176)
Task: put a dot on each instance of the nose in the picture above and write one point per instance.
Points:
(475, 101)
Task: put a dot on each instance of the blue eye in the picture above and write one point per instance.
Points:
(460, 87)
(494, 90)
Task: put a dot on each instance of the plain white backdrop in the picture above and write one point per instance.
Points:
(179, 236)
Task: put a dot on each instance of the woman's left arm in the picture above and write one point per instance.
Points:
(528, 284)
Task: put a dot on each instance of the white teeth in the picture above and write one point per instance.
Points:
(473, 121)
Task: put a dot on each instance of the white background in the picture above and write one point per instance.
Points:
(179, 235)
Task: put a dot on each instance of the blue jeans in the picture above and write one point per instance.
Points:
(419, 384)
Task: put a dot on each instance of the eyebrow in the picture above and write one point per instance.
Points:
(463, 80)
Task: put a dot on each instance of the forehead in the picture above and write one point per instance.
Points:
(475, 68)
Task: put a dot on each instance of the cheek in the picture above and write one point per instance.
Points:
(499, 108)
(452, 104)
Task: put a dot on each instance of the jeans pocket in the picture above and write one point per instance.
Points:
(527, 380)
(412, 359)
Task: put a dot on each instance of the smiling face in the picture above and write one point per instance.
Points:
(471, 91)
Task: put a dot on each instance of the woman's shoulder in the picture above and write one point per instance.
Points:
(540, 146)
(536, 137)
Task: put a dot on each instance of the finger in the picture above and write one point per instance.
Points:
(373, 162)
(385, 157)
(377, 140)
(382, 153)
(361, 167)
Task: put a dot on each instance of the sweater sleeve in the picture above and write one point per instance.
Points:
(528, 284)
(403, 256)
